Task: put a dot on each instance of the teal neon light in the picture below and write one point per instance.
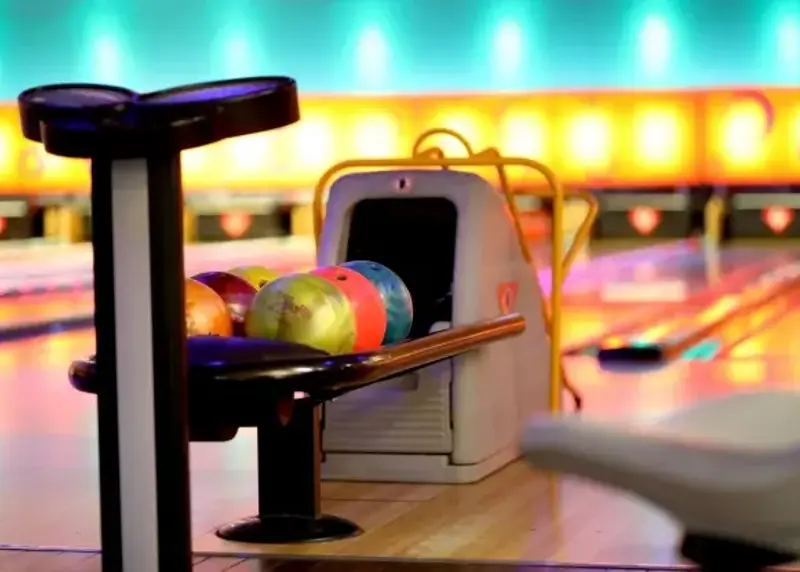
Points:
(394, 46)
(704, 351)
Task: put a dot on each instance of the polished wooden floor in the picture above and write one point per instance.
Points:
(56, 561)
(48, 476)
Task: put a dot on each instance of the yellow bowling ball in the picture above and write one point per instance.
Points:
(257, 276)
(304, 309)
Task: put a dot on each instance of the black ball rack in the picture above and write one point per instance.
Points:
(279, 388)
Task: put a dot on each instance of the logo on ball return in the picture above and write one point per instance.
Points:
(507, 296)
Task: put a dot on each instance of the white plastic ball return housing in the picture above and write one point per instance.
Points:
(449, 237)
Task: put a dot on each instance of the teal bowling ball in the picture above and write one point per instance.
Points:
(395, 295)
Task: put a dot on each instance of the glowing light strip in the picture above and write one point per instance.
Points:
(611, 139)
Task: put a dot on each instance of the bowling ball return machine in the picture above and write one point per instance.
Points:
(145, 370)
(456, 240)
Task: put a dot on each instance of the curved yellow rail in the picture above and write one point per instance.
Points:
(581, 238)
(434, 157)
(418, 151)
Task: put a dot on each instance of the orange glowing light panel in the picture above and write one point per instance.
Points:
(751, 140)
(608, 140)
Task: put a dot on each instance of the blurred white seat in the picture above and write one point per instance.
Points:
(728, 469)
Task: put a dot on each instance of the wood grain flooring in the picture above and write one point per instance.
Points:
(56, 561)
(48, 479)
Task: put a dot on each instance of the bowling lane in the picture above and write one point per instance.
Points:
(46, 307)
(666, 300)
(37, 397)
(70, 270)
(33, 250)
(617, 262)
(667, 276)
(773, 332)
(651, 268)
(34, 266)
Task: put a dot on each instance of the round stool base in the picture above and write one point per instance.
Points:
(288, 529)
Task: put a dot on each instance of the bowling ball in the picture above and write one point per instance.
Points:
(236, 292)
(395, 295)
(206, 311)
(258, 276)
(304, 309)
(366, 302)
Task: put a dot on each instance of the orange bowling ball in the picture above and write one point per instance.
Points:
(206, 311)
(365, 301)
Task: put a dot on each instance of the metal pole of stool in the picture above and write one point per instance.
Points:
(142, 413)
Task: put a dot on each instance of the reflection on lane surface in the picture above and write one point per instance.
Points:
(68, 271)
(45, 307)
(54, 306)
(747, 290)
(779, 289)
(775, 332)
(580, 323)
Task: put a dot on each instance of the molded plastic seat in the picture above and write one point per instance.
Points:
(726, 468)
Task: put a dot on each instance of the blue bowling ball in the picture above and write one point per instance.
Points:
(395, 295)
